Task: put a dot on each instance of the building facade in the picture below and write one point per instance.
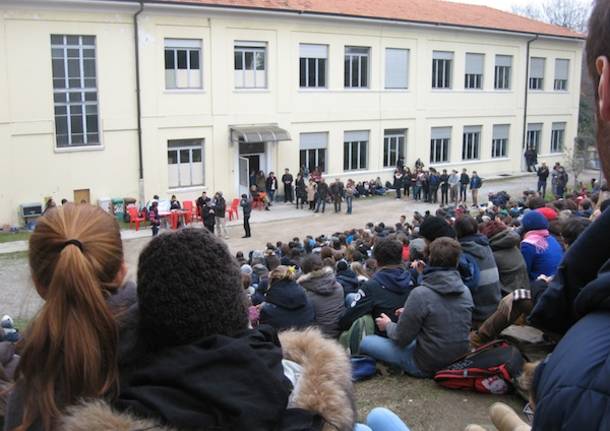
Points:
(227, 90)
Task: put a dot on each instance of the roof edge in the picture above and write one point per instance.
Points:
(263, 10)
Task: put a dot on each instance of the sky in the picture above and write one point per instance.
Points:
(500, 4)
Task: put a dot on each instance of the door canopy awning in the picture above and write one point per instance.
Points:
(263, 133)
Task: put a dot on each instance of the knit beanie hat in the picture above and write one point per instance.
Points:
(435, 227)
(342, 265)
(246, 269)
(534, 220)
(189, 288)
(549, 213)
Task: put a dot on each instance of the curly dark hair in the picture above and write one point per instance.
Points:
(388, 252)
(189, 288)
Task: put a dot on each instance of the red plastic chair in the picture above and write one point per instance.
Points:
(174, 216)
(187, 206)
(233, 210)
(135, 218)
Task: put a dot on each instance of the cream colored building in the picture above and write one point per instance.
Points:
(225, 90)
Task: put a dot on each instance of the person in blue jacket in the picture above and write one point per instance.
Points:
(475, 184)
(571, 387)
(541, 251)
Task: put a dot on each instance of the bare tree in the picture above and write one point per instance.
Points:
(572, 14)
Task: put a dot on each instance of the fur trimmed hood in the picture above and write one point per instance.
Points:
(321, 282)
(325, 387)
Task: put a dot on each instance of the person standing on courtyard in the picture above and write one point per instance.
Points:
(475, 184)
(261, 181)
(322, 194)
(153, 217)
(246, 207)
(454, 186)
(464, 182)
(349, 195)
(287, 180)
(336, 193)
(562, 182)
(407, 182)
(312, 187)
(531, 159)
(444, 188)
(271, 186)
(301, 190)
(220, 208)
(208, 215)
(435, 181)
(398, 179)
(543, 175)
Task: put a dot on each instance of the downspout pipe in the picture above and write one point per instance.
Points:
(136, 36)
(526, 92)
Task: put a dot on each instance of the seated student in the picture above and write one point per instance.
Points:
(487, 294)
(286, 304)
(347, 278)
(432, 330)
(174, 204)
(541, 251)
(324, 292)
(196, 365)
(388, 288)
(70, 351)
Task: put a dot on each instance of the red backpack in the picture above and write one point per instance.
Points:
(490, 369)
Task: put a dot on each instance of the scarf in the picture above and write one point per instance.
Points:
(537, 238)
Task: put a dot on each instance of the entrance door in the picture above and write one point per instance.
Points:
(244, 175)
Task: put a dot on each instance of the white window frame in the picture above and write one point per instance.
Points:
(471, 143)
(534, 136)
(318, 147)
(190, 145)
(72, 101)
(257, 49)
(499, 144)
(390, 73)
(558, 133)
(355, 144)
(502, 72)
(352, 56)
(561, 83)
(442, 70)
(393, 146)
(316, 58)
(536, 82)
(474, 81)
(189, 46)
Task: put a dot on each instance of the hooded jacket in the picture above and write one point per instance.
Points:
(438, 316)
(571, 386)
(385, 292)
(348, 280)
(510, 262)
(287, 306)
(324, 389)
(487, 294)
(326, 296)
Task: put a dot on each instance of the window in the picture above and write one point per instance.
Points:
(439, 144)
(182, 63)
(355, 146)
(393, 146)
(558, 132)
(185, 163)
(499, 142)
(441, 69)
(536, 81)
(75, 91)
(502, 72)
(471, 142)
(473, 79)
(313, 151)
(312, 66)
(250, 65)
(356, 67)
(562, 67)
(396, 68)
(533, 136)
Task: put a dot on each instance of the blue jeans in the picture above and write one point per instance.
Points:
(388, 351)
(271, 194)
(382, 419)
(321, 202)
(349, 200)
(542, 188)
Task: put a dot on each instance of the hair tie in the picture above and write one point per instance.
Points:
(73, 242)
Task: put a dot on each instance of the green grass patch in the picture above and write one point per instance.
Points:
(14, 256)
(20, 323)
(14, 236)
